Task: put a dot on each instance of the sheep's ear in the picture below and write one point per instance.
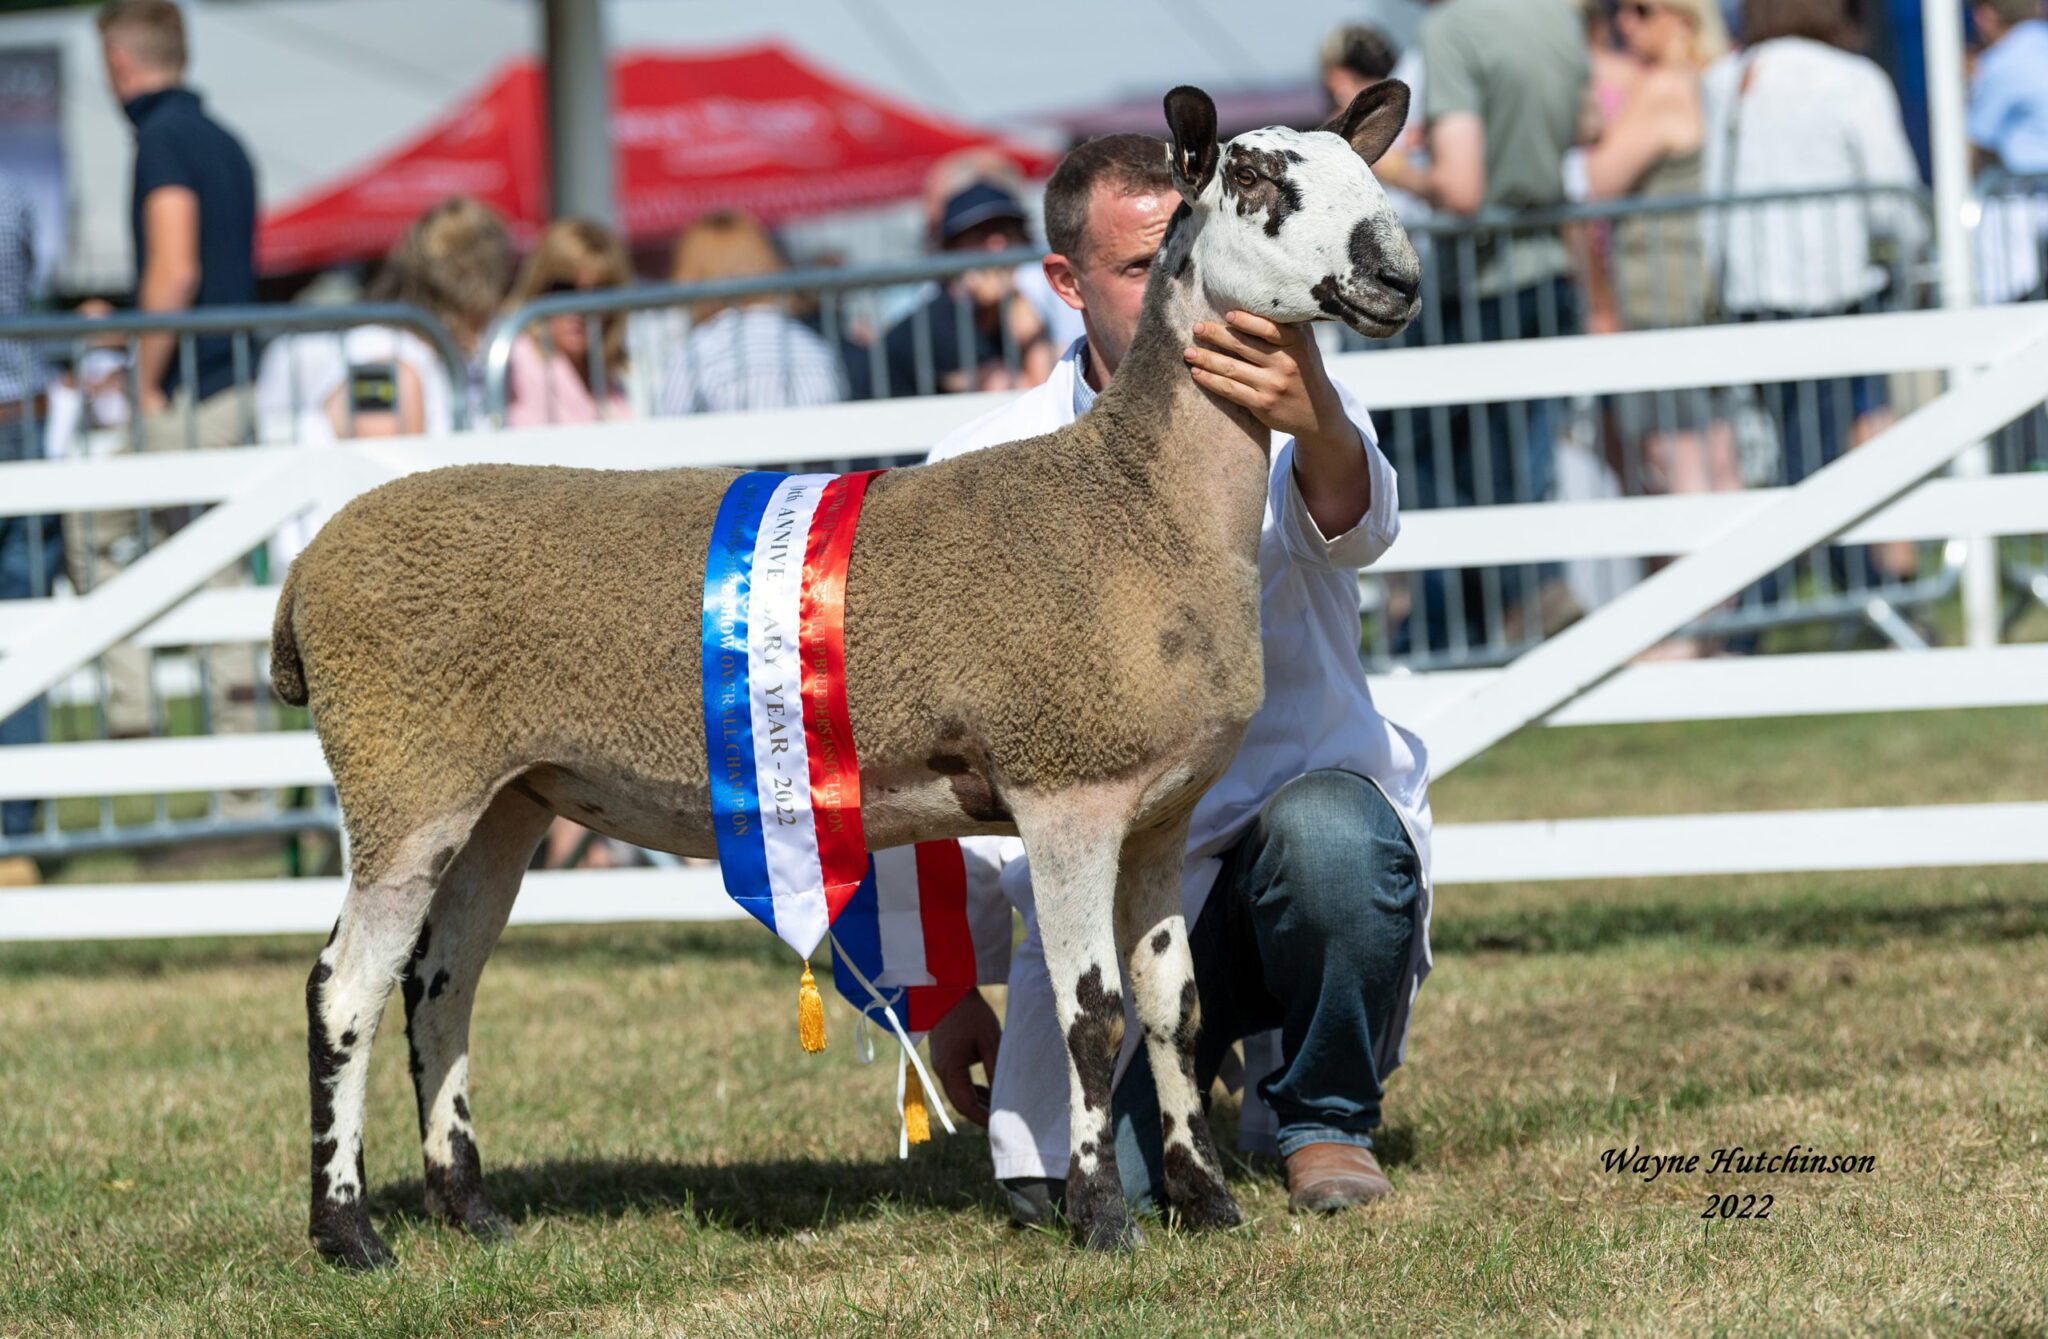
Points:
(1374, 119)
(1191, 116)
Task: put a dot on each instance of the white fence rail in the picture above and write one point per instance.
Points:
(1581, 677)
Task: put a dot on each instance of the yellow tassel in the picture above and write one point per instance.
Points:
(917, 1119)
(810, 1014)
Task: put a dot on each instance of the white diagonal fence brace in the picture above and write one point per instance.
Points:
(1579, 678)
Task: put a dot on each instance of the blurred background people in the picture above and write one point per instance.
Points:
(2008, 114)
(1651, 150)
(967, 336)
(742, 353)
(31, 547)
(1801, 109)
(563, 377)
(1504, 81)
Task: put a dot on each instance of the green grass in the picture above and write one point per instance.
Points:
(675, 1165)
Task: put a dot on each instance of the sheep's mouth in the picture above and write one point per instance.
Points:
(1378, 320)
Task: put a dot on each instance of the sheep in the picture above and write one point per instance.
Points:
(1056, 639)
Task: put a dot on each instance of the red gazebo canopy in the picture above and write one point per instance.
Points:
(756, 129)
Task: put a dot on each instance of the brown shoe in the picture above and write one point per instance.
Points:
(1324, 1178)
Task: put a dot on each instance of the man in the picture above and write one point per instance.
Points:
(193, 219)
(2008, 119)
(1500, 110)
(1307, 873)
(193, 214)
(929, 350)
(30, 546)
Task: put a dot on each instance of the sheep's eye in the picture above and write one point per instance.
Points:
(1247, 178)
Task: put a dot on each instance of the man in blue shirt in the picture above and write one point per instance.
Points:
(194, 208)
(194, 220)
(2008, 119)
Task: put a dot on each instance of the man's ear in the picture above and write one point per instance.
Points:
(1059, 272)
(1374, 119)
(1191, 117)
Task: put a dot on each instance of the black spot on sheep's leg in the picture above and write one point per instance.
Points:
(339, 1220)
(1161, 940)
(1095, 1193)
(1194, 1172)
(412, 987)
(438, 984)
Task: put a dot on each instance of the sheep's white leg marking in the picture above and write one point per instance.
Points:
(1154, 937)
(381, 921)
(439, 987)
(1073, 840)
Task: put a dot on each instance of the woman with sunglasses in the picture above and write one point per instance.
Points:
(557, 376)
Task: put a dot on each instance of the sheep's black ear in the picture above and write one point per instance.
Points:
(1374, 119)
(1191, 116)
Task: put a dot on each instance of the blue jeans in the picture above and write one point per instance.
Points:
(31, 552)
(1307, 930)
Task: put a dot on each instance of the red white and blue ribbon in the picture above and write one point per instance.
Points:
(907, 932)
(785, 786)
(785, 779)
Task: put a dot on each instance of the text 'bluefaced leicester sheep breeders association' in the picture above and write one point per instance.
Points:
(785, 778)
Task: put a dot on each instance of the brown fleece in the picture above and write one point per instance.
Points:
(1075, 607)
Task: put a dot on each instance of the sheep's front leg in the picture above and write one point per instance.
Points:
(1153, 935)
(1073, 847)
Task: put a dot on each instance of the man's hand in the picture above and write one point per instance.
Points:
(967, 1035)
(1276, 372)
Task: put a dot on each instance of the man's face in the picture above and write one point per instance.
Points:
(1106, 282)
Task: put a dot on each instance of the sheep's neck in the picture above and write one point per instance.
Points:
(1205, 456)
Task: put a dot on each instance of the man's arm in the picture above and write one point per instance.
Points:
(169, 282)
(1277, 372)
(1455, 179)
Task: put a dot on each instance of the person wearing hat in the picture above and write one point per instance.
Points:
(929, 351)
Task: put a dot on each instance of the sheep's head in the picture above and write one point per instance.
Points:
(1293, 225)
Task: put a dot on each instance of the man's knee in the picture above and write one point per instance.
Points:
(1339, 847)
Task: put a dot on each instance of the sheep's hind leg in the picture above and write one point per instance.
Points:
(1153, 934)
(439, 986)
(1073, 840)
(345, 996)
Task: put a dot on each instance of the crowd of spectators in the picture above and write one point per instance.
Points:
(1524, 109)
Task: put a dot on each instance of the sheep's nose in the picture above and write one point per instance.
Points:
(1403, 283)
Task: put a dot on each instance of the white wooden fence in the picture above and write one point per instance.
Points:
(1581, 677)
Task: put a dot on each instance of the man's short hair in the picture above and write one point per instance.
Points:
(1128, 164)
(151, 31)
(1360, 48)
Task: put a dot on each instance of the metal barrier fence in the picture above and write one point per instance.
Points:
(814, 336)
(248, 376)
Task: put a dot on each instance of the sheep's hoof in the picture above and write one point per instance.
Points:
(1207, 1212)
(485, 1223)
(343, 1236)
(1097, 1213)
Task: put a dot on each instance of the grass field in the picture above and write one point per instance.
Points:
(676, 1165)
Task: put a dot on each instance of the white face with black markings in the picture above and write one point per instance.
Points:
(1292, 224)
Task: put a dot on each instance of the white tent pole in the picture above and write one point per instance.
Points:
(1942, 21)
(579, 109)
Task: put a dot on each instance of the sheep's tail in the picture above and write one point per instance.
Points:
(287, 671)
